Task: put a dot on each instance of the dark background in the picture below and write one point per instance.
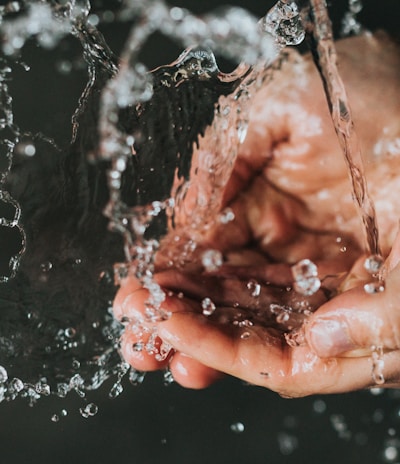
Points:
(153, 423)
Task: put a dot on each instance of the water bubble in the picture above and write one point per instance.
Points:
(64, 412)
(305, 274)
(208, 306)
(283, 22)
(212, 260)
(237, 427)
(3, 375)
(55, 418)
(245, 335)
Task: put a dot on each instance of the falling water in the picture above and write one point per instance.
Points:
(325, 56)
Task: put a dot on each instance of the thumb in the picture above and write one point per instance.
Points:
(355, 321)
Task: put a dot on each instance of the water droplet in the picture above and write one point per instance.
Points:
(355, 6)
(89, 410)
(295, 338)
(3, 375)
(212, 260)
(16, 385)
(373, 264)
(319, 406)
(237, 427)
(391, 453)
(42, 389)
(116, 390)
(245, 335)
(138, 346)
(168, 377)
(283, 317)
(70, 332)
(136, 377)
(254, 287)
(305, 274)
(374, 287)
(287, 443)
(283, 22)
(208, 306)
(339, 425)
(62, 390)
(55, 418)
(76, 364)
(226, 216)
(376, 391)
(25, 149)
(46, 266)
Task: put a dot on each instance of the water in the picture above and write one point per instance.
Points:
(325, 56)
(305, 274)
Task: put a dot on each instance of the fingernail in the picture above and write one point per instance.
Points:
(330, 337)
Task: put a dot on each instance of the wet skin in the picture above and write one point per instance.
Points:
(291, 196)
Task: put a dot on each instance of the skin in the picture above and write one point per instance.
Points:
(290, 192)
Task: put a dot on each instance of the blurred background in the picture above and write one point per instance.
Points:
(152, 423)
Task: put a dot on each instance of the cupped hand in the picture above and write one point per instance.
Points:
(290, 193)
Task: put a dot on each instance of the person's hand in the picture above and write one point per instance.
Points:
(291, 197)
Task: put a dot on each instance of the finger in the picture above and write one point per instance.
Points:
(264, 359)
(190, 373)
(128, 286)
(129, 304)
(356, 321)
